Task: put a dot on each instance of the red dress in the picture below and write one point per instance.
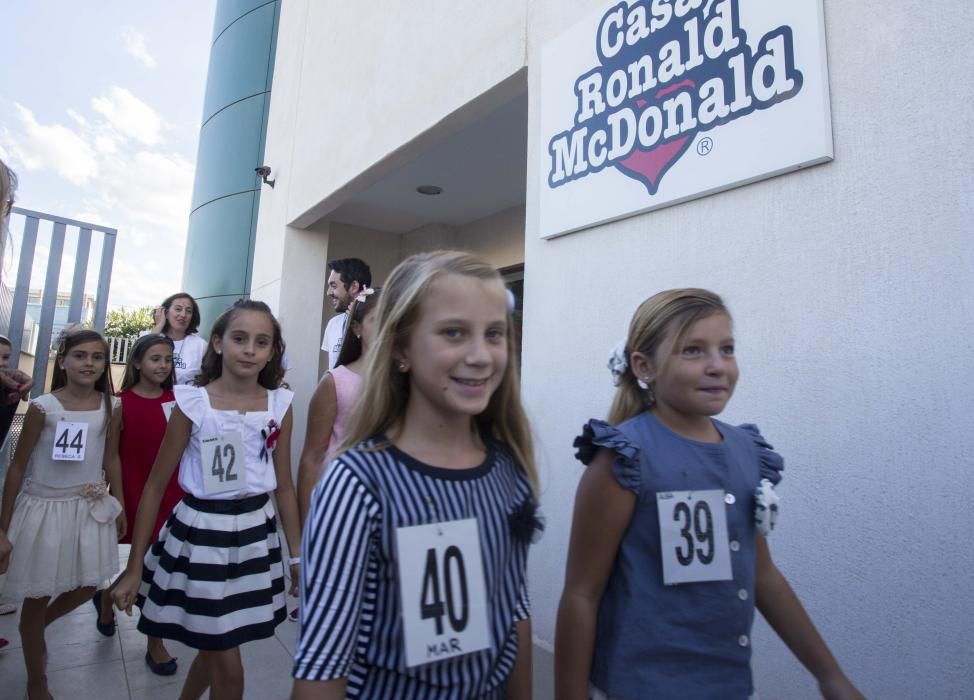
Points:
(143, 425)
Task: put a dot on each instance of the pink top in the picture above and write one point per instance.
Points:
(347, 388)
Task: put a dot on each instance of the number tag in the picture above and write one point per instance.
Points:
(693, 536)
(444, 599)
(167, 409)
(70, 440)
(223, 458)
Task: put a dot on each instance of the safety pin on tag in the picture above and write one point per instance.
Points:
(436, 517)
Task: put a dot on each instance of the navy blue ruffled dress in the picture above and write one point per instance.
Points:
(690, 640)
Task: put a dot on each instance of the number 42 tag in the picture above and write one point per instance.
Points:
(693, 536)
(222, 459)
(441, 582)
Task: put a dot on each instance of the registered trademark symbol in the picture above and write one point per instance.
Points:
(705, 145)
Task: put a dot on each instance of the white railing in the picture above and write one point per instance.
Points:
(118, 349)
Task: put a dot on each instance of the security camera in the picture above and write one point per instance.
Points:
(264, 172)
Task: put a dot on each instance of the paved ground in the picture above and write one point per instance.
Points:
(83, 664)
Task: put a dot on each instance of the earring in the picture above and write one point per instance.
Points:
(403, 366)
(643, 384)
(217, 351)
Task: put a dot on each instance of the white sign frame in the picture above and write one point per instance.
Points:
(780, 135)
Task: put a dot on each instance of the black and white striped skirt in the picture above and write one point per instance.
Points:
(213, 579)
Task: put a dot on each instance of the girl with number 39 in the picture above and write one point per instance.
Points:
(668, 557)
(64, 524)
(416, 543)
(213, 578)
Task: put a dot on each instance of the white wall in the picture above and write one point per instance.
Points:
(372, 80)
(851, 285)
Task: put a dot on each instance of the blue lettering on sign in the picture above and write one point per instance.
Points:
(668, 69)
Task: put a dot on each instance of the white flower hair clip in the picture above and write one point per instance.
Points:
(617, 362)
(367, 292)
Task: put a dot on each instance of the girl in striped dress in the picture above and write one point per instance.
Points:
(416, 543)
(213, 579)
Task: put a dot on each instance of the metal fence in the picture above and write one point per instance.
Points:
(61, 228)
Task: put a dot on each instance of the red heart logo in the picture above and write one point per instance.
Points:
(649, 166)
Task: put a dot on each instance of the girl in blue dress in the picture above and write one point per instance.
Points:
(668, 556)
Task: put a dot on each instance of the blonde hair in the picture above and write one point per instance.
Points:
(663, 318)
(385, 389)
(8, 185)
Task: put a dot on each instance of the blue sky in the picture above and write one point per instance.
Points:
(100, 110)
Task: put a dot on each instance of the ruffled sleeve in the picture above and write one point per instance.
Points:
(191, 401)
(597, 434)
(770, 462)
(280, 402)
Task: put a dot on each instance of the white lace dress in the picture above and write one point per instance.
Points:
(63, 524)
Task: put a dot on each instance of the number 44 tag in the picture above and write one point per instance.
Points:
(693, 536)
(69, 441)
(441, 582)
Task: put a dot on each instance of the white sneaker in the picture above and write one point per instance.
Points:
(7, 609)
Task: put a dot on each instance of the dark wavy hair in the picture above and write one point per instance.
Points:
(138, 351)
(352, 345)
(70, 338)
(272, 376)
(352, 270)
(194, 322)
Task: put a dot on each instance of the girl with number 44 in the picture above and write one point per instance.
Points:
(668, 559)
(416, 543)
(64, 523)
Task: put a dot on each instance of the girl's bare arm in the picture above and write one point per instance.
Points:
(603, 510)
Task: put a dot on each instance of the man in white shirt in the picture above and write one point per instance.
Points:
(347, 278)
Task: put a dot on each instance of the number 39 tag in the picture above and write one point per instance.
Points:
(69, 441)
(444, 599)
(223, 459)
(693, 536)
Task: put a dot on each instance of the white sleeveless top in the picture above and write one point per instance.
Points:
(44, 469)
(258, 471)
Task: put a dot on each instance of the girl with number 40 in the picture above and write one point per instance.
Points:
(416, 543)
(668, 559)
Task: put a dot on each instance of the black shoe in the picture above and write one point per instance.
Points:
(166, 668)
(107, 629)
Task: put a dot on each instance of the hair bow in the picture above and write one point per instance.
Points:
(367, 292)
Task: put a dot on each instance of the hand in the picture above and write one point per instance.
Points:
(5, 550)
(16, 385)
(125, 591)
(295, 575)
(121, 525)
(839, 688)
(159, 316)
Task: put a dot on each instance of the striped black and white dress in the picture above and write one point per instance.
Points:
(351, 615)
(214, 577)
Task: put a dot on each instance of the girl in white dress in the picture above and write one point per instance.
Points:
(64, 525)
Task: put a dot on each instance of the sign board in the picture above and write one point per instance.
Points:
(653, 102)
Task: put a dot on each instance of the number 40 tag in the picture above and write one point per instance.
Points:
(693, 536)
(444, 600)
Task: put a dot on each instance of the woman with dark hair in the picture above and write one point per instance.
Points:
(178, 318)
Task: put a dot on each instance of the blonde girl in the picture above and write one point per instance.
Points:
(63, 523)
(213, 579)
(417, 538)
(668, 557)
